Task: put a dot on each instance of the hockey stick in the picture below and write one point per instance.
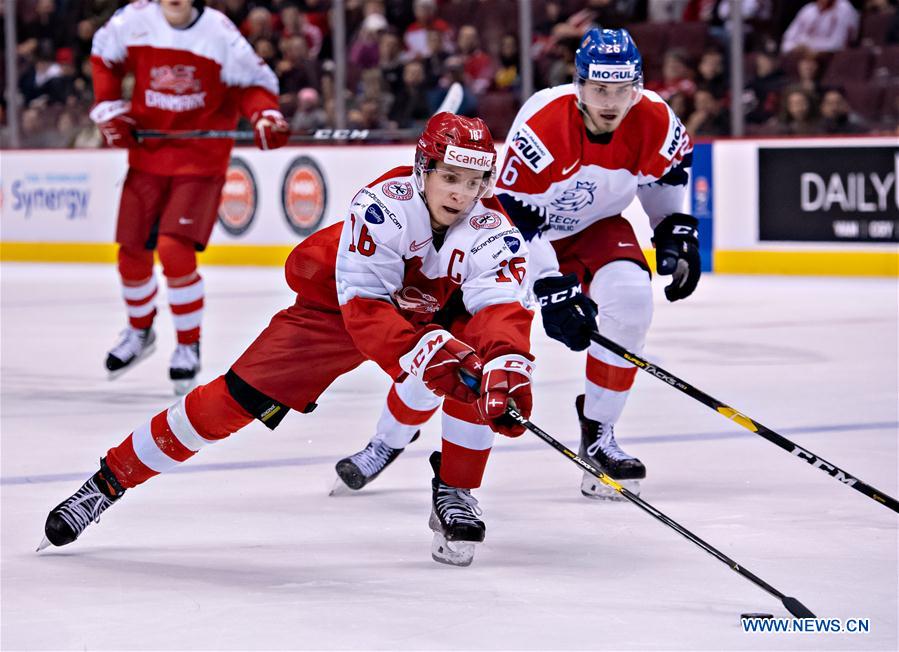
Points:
(792, 605)
(753, 426)
(316, 136)
(451, 103)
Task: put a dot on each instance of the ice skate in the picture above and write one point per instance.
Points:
(454, 520)
(361, 468)
(599, 447)
(134, 345)
(69, 519)
(184, 367)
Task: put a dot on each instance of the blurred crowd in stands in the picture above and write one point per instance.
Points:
(819, 67)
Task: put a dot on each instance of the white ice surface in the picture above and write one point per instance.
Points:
(243, 548)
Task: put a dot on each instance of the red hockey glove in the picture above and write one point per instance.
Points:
(270, 129)
(119, 132)
(439, 359)
(116, 126)
(507, 379)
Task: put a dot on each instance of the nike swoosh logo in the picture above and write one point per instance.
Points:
(184, 220)
(625, 244)
(415, 246)
(569, 169)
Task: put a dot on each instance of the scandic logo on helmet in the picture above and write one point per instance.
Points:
(612, 73)
(468, 158)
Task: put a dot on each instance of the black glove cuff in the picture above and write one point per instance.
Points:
(677, 226)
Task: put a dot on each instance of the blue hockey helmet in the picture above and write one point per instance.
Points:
(609, 56)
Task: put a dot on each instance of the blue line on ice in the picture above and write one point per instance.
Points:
(312, 461)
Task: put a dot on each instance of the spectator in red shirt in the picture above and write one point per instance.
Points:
(426, 19)
(478, 65)
(677, 77)
(258, 25)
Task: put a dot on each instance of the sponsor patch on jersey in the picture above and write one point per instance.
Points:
(469, 158)
(237, 208)
(374, 214)
(574, 199)
(485, 221)
(530, 148)
(304, 196)
(613, 73)
(401, 190)
(674, 137)
(513, 243)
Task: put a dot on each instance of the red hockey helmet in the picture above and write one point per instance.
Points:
(456, 140)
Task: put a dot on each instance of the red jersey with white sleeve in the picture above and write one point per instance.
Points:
(569, 179)
(201, 76)
(392, 276)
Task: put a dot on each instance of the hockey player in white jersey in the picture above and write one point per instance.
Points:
(426, 277)
(576, 157)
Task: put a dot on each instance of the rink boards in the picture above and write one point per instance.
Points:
(780, 206)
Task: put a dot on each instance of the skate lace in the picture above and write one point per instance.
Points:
(84, 507)
(606, 442)
(131, 341)
(185, 356)
(457, 505)
(372, 458)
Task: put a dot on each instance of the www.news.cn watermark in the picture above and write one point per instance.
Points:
(807, 625)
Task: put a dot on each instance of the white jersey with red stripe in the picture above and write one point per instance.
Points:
(394, 273)
(572, 178)
(201, 76)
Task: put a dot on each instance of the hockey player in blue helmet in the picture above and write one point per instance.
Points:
(608, 77)
(578, 155)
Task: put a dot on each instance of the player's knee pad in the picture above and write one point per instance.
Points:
(135, 263)
(264, 408)
(623, 292)
(214, 412)
(178, 256)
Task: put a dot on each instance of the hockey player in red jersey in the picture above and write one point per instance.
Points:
(192, 70)
(576, 157)
(426, 277)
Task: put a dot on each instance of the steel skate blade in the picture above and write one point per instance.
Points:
(452, 553)
(44, 543)
(340, 488)
(594, 489)
(182, 387)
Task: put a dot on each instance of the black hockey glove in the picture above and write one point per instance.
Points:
(568, 314)
(677, 252)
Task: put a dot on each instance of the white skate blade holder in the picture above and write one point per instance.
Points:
(594, 489)
(112, 375)
(452, 553)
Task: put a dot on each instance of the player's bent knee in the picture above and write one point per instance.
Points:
(258, 405)
(213, 411)
(623, 292)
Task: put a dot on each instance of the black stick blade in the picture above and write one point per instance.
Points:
(797, 608)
